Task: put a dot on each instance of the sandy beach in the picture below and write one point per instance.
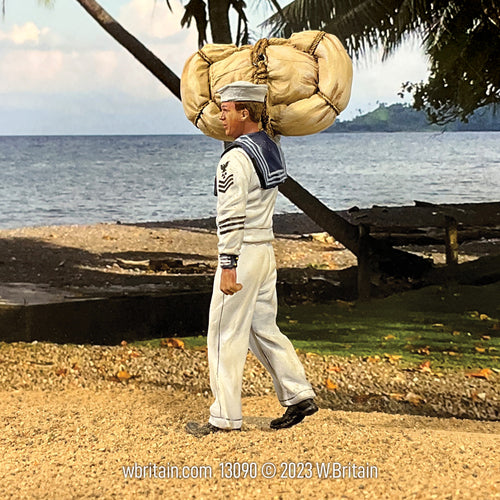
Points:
(71, 256)
(80, 418)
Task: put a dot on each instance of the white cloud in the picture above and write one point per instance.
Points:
(375, 81)
(27, 34)
(152, 18)
(53, 71)
(56, 66)
(29, 70)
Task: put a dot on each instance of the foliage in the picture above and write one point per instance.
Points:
(197, 10)
(461, 38)
(403, 118)
(464, 51)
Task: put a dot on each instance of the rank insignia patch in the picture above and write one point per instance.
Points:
(223, 167)
(226, 181)
(225, 184)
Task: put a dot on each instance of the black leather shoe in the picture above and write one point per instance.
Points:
(295, 414)
(200, 430)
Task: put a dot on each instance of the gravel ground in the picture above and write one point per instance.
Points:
(75, 415)
(79, 256)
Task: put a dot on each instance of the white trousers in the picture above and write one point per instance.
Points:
(246, 320)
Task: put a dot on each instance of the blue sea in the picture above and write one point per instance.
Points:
(86, 179)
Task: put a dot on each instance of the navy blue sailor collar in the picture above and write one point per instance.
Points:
(266, 156)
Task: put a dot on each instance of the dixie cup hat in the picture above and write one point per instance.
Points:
(243, 91)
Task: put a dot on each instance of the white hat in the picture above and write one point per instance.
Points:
(242, 91)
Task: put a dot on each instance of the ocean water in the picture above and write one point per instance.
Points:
(86, 179)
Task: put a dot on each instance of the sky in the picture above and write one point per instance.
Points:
(61, 73)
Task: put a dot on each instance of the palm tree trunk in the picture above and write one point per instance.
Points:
(327, 219)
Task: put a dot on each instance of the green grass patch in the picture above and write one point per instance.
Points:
(452, 326)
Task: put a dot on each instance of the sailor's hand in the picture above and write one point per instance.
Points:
(228, 283)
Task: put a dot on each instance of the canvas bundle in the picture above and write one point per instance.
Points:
(309, 78)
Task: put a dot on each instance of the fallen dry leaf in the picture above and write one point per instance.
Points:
(397, 396)
(484, 317)
(332, 368)
(475, 396)
(480, 349)
(123, 375)
(425, 367)
(483, 373)
(414, 399)
(172, 342)
(373, 359)
(311, 354)
(331, 386)
(456, 333)
(424, 350)
(61, 372)
(389, 337)
(393, 358)
(123, 343)
(485, 337)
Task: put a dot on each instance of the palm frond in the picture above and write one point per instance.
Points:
(196, 9)
(360, 24)
(242, 29)
(168, 5)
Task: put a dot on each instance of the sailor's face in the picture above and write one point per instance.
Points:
(232, 119)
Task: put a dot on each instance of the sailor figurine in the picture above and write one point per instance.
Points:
(244, 304)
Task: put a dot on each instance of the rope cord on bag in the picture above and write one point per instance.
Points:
(330, 103)
(316, 42)
(260, 75)
(312, 50)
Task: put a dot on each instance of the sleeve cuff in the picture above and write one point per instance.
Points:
(228, 261)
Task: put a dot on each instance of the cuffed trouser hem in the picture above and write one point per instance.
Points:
(302, 396)
(223, 423)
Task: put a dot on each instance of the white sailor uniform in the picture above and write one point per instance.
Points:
(247, 319)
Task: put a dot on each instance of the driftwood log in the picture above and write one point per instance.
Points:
(426, 223)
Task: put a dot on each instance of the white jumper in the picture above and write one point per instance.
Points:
(247, 319)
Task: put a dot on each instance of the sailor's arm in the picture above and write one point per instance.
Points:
(233, 174)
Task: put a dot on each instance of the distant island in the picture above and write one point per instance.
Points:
(403, 118)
